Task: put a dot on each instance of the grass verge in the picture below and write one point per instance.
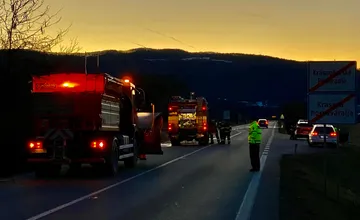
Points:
(320, 186)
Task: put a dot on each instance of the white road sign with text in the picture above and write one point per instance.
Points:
(345, 114)
(320, 70)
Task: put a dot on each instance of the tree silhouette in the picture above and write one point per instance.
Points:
(24, 24)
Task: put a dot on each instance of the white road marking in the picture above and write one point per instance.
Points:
(247, 204)
(63, 206)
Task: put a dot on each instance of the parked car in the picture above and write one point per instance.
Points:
(302, 130)
(317, 134)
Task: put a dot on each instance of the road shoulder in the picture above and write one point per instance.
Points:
(266, 204)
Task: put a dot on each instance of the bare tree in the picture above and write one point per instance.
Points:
(23, 25)
(73, 47)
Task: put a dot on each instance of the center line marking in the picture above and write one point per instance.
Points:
(63, 206)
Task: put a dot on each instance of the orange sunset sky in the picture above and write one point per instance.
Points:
(294, 29)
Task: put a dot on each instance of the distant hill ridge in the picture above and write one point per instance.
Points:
(233, 76)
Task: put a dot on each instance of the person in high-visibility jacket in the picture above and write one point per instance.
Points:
(254, 139)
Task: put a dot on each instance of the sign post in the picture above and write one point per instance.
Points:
(226, 115)
(331, 92)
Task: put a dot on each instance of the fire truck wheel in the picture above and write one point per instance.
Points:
(132, 161)
(111, 166)
(47, 170)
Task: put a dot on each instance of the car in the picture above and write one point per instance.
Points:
(302, 130)
(316, 136)
(263, 123)
(302, 121)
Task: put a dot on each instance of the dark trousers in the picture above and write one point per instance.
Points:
(255, 156)
(223, 136)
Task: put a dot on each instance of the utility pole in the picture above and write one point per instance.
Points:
(85, 63)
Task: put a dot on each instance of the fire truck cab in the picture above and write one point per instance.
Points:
(188, 120)
(88, 119)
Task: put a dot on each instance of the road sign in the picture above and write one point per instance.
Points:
(332, 109)
(282, 116)
(332, 76)
(226, 115)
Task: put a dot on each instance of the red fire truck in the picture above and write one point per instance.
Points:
(188, 120)
(89, 119)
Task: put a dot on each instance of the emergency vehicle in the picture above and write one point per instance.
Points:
(188, 120)
(89, 119)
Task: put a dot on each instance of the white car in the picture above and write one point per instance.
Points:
(316, 136)
(263, 123)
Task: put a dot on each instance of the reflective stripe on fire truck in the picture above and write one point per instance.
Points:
(126, 156)
(125, 146)
(126, 142)
(49, 132)
(126, 139)
(63, 133)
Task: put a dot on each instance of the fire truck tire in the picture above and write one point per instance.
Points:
(111, 166)
(47, 170)
(132, 161)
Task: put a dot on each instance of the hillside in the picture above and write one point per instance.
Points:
(232, 76)
(236, 77)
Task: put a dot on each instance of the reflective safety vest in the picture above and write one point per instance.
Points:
(254, 136)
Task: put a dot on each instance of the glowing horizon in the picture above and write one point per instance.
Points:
(300, 31)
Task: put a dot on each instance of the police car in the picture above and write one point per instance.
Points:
(263, 123)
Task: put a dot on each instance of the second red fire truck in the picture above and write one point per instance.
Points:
(188, 120)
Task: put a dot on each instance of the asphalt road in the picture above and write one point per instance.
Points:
(188, 182)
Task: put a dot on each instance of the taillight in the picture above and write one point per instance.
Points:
(203, 108)
(35, 145)
(98, 144)
(266, 122)
(204, 126)
(333, 134)
(170, 109)
(169, 127)
(314, 133)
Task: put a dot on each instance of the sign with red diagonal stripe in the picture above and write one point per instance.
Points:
(332, 76)
(332, 109)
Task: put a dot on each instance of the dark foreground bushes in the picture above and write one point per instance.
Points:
(321, 186)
